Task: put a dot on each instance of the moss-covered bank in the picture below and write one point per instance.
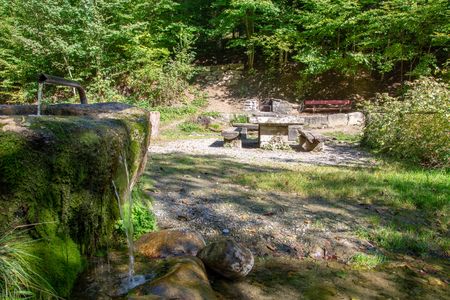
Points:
(57, 174)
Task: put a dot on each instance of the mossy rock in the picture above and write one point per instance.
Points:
(57, 172)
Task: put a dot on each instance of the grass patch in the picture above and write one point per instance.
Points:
(362, 261)
(351, 138)
(191, 127)
(19, 278)
(214, 114)
(427, 189)
(418, 198)
(239, 119)
(169, 113)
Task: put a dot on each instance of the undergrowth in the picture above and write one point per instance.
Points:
(142, 216)
(18, 276)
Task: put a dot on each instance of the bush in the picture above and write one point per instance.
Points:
(414, 127)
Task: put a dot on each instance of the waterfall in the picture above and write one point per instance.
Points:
(126, 210)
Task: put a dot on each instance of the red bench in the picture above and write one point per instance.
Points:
(320, 105)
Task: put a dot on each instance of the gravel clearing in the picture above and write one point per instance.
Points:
(193, 189)
(333, 153)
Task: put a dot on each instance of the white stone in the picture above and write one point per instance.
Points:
(337, 120)
(356, 119)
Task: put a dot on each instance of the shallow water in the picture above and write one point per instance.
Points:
(108, 278)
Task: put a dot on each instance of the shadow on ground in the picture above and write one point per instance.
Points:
(285, 230)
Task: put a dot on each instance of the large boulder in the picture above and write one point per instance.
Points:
(227, 258)
(170, 242)
(185, 279)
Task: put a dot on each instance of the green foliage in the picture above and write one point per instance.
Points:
(117, 49)
(18, 276)
(413, 127)
(142, 216)
(190, 127)
(239, 119)
(142, 51)
(59, 263)
(344, 137)
(213, 114)
(362, 261)
(170, 113)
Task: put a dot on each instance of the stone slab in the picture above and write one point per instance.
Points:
(356, 119)
(337, 120)
(286, 120)
(268, 131)
(293, 132)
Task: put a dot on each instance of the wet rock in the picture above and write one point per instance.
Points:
(185, 279)
(170, 242)
(228, 258)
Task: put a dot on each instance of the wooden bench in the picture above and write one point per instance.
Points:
(309, 141)
(321, 105)
(233, 136)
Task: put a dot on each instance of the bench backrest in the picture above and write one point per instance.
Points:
(327, 102)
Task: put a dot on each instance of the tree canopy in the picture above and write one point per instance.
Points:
(144, 49)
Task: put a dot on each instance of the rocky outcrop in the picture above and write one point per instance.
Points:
(227, 258)
(170, 242)
(185, 279)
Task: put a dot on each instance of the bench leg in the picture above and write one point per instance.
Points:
(308, 147)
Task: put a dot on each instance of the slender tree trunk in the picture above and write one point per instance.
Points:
(249, 30)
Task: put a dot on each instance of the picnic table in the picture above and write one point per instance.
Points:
(275, 125)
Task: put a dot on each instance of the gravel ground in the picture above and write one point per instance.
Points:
(198, 194)
(333, 153)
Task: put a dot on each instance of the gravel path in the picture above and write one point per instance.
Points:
(332, 154)
(193, 189)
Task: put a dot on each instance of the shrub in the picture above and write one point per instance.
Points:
(414, 127)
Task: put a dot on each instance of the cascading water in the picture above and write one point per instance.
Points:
(126, 209)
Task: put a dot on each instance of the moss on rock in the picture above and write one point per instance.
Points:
(58, 172)
(59, 262)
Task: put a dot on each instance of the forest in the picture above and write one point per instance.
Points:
(146, 52)
(227, 149)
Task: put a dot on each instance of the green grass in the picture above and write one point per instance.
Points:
(418, 201)
(239, 119)
(426, 189)
(191, 127)
(344, 137)
(169, 113)
(213, 114)
(19, 277)
(362, 261)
